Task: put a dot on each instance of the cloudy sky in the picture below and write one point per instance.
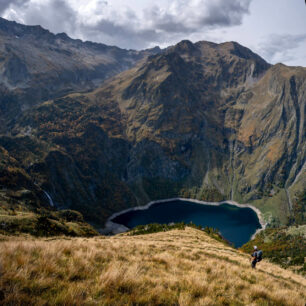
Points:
(275, 29)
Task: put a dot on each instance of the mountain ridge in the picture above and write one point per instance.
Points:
(36, 65)
(205, 121)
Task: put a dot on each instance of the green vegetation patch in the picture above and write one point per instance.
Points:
(298, 215)
(283, 246)
(67, 222)
(156, 227)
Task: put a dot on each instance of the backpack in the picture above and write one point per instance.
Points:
(259, 255)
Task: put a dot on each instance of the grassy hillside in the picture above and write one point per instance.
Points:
(44, 223)
(285, 246)
(178, 267)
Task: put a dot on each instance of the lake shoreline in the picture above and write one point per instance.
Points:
(115, 228)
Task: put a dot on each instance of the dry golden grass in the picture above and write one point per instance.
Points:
(179, 267)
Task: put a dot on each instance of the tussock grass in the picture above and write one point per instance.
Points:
(179, 267)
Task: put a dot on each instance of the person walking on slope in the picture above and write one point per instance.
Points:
(256, 256)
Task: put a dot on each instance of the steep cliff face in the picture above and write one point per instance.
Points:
(231, 125)
(178, 101)
(272, 128)
(36, 65)
(208, 121)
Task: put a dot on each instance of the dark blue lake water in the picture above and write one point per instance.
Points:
(235, 224)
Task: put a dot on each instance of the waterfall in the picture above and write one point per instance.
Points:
(49, 198)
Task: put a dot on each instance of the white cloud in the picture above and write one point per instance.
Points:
(140, 24)
(129, 26)
(7, 4)
(281, 47)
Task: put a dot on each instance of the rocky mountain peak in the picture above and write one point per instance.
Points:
(36, 65)
(170, 59)
(238, 50)
(63, 36)
(183, 47)
(13, 28)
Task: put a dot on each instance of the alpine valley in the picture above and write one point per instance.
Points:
(93, 129)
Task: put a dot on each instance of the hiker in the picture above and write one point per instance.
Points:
(256, 256)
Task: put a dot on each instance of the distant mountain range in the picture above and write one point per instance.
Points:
(101, 129)
(36, 65)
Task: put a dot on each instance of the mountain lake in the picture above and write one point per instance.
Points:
(236, 224)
